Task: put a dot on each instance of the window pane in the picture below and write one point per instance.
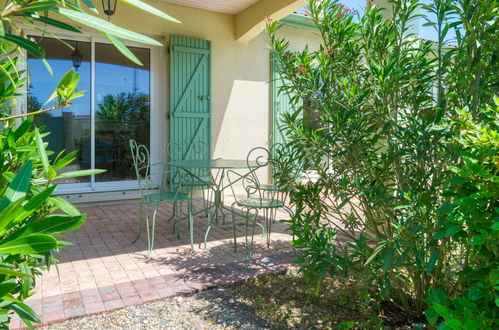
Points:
(69, 127)
(121, 110)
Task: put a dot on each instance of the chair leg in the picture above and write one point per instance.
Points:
(139, 209)
(271, 219)
(278, 195)
(151, 244)
(246, 221)
(233, 212)
(148, 231)
(267, 216)
(191, 224)
(222, 201)
(210, 219)
(173, 214)
(249, 249)
(206, 201)
(264, 227)
(177, 221)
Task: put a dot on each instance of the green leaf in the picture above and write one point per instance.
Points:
(452, 229)
(90, 6)
(65, 88)
(476, 240)
(6, 288)
(19, 186)
(29, 245)
(122, 48)
(25, 312)
(62, 244)
(50, 225)
(446, 208)
(32, 47)
(48, 67)
(73, 174)
(7, 215)
(442, 310)
(343, 203)
(431, 315)
(374, 254)
(150, 9)
(388, 259)
(104, 26)
(9, 176)
(64, 161)
(42, 152)
(17, 212)
(38, 6)
(64, 206)
(27, 283)
(454, 324)
(23, 128)
(10, 272)
(56, 23)
(433, 260)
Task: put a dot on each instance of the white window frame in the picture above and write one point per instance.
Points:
(156, 118)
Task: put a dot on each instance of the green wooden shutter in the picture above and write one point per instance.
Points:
(190, 94)
(280, 102)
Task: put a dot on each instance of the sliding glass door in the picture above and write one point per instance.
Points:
(97, 127)
(69, 127)
(122, 109)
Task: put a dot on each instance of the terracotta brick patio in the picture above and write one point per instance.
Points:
(104, 270)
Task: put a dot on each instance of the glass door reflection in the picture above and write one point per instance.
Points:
(121, 111)
(69, 127)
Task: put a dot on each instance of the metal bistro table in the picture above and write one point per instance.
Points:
(216, 168)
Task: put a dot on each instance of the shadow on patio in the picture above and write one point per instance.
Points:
(105, 270)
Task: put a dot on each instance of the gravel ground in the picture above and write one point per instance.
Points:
(213, 309)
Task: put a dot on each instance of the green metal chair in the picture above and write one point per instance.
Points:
(153, 193)
(192, 151)
(256, 202)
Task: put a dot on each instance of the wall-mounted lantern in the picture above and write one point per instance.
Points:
(109, 7)
(76, 57)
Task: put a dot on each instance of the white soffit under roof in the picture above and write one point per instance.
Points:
(220, 6)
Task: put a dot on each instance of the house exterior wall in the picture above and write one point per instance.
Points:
(240, 75)
(240, 72)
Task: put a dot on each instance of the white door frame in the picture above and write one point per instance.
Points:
(156, 88)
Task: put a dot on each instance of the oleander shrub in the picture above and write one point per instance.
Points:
(390, 204)
(470, 221)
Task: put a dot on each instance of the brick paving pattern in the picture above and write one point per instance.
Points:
(104, 270)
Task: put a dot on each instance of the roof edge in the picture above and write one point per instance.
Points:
(300, 21)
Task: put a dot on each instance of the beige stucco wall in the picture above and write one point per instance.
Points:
(240, 72)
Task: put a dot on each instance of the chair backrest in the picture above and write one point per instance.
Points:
(249, 183)
(144, 169)
(257, 158)
(186, 150)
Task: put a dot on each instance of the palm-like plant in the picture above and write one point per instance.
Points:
(17, 16)
(31, 218)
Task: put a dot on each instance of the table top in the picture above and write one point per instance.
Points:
(211, 163)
